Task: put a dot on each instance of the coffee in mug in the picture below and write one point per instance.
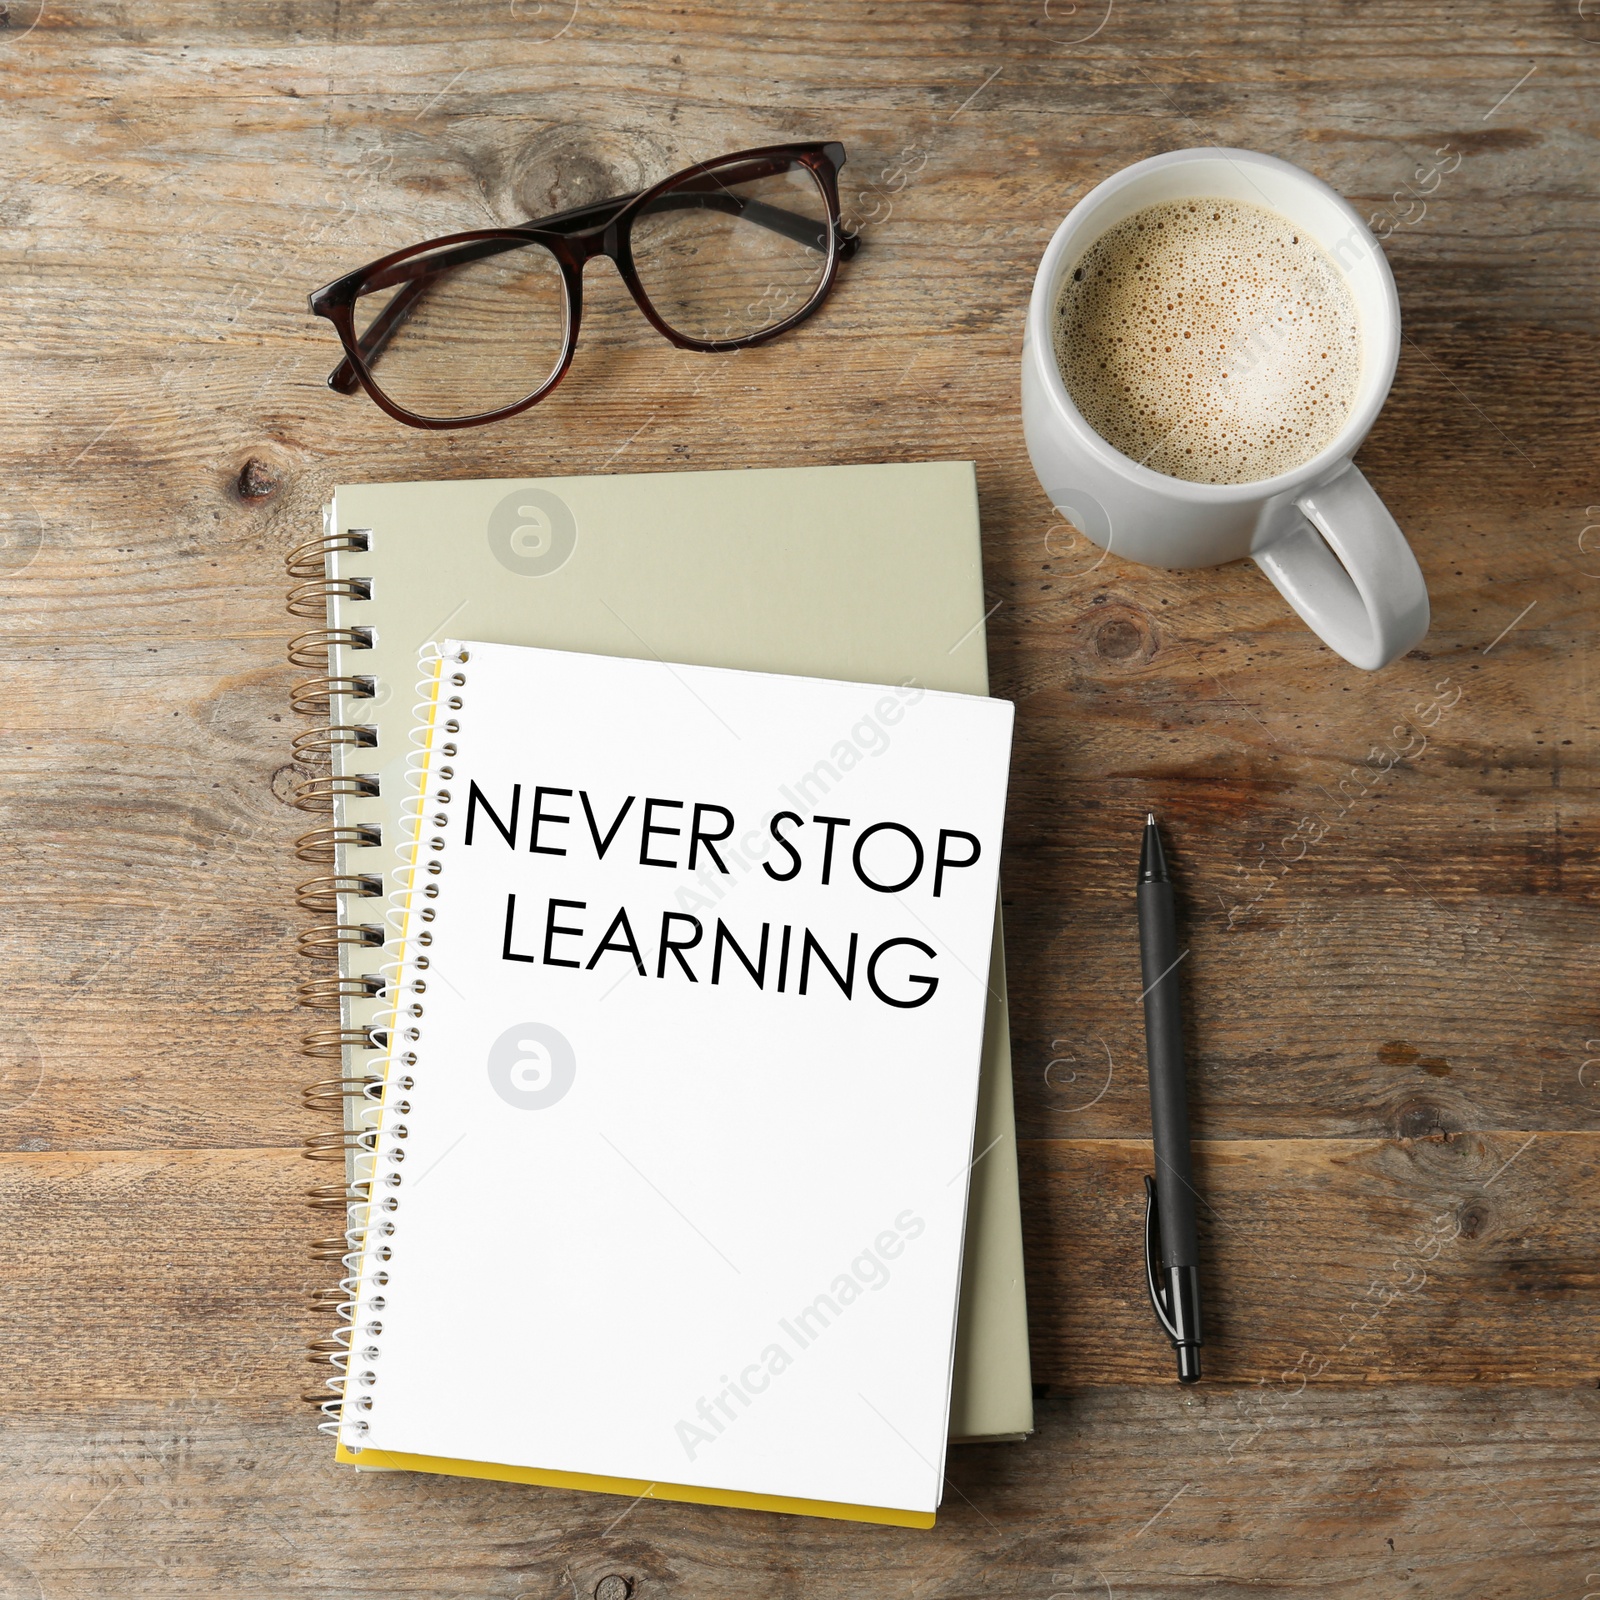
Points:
(1211, 335)
(1209, 339)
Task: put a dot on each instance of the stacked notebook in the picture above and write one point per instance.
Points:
(666, 817)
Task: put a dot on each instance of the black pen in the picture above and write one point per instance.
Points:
(1171, 1252)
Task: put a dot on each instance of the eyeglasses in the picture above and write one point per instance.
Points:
(473, 327)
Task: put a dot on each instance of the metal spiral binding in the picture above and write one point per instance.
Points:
(314, 697)
(310, 560)
(317, 794)
(374, 1219)
(322, 944)
(311, 599)
(315, 591)
(316, 744)
(321, 845)
(328, 994)
(322, 894)
(337, 1145)
(331, 1093)
(358, 1095)
(315, 649)
(331, 1043)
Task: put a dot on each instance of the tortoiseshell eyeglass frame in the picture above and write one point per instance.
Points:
(573, 238)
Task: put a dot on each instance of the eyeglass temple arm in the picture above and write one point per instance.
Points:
(710, 193)
(343, 379)
(803, 230)
(414, 281)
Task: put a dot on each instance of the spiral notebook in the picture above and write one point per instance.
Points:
(742, 1123)
(866, 573)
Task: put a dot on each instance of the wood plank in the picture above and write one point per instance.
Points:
(166, 1274)
(1459, 1258)
(1153, 1493)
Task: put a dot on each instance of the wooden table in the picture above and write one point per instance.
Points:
(1388, 878)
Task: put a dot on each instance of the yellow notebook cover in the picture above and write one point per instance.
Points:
(635, 1490)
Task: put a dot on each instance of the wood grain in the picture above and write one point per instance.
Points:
(1388, 880)
(1154, 1494)
(1455, 1258)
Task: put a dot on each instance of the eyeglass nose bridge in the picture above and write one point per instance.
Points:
(604, 239)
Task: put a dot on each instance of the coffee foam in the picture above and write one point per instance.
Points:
(1210, 340)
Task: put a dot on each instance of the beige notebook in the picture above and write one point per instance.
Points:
(868, 574)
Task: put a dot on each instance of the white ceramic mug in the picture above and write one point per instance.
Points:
(1319, 532)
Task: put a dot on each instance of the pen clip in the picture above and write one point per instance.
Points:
(1152, 1259)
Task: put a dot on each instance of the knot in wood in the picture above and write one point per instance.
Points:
(1420, 1118)
(1119, 634)
(256, 480)
(613, 1587)
(1118, 639)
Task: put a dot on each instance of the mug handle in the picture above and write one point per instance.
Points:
(1350, 574)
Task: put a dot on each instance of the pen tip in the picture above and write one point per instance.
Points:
(1152, 858)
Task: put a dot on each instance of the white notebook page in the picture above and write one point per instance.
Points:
(695, 1225)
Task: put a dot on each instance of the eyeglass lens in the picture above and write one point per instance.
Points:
(469, 336)
(732, 252)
